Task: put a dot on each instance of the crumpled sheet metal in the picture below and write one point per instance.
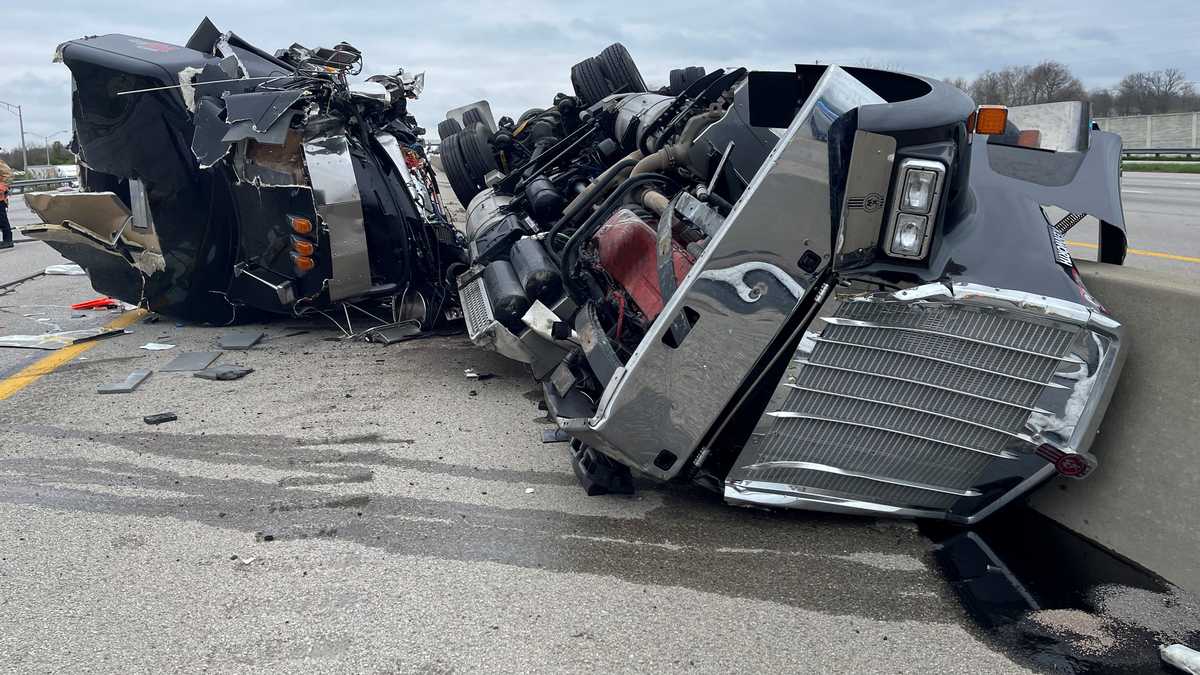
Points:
(56, 341)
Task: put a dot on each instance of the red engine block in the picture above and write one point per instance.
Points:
(628, 252)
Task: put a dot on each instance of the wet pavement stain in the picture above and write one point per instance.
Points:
(1054, 601)
(692, 541)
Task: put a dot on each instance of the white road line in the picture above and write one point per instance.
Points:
(1136, 192)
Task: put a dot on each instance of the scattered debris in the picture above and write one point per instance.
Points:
(156, 346)
(1182, 657)
(191, 361)
(131, 382)
(53, 341)
(239, 340)
(473, 374)
(387, 335)
(160, 418)
(223, 372)
(102, 302)
(69, 270)
(555, 436)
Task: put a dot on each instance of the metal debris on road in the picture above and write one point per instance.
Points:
(528, 491)
(69, 270)
(239, 340)
(190, 361)
(54, 341)
(392, 334)
(1182, 657)
(473, 374)
(160, 418)
(224, 372)
(156, 346)
(131, 382)
(555, 436)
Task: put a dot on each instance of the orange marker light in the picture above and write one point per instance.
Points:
(301, 225)
(303, 247)
(991, 119)
(303, 263)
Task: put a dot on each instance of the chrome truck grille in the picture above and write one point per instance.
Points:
(477, 310)
(899, 404)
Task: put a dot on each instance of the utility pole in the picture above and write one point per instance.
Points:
(21, 123)
(46, 139)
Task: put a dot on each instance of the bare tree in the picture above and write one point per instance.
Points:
(1103, 102)
(1050, 82)
(958, 83)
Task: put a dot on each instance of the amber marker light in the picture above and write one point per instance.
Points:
(991, 120)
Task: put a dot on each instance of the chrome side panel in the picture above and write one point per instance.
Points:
(417, 189)
(741, 291)
(335, 191)
(865, 202)
(935, 401)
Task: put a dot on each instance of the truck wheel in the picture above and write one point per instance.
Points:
(622, 72)
(473, 118)
(447, 128)
(587, 77)
(454, 164)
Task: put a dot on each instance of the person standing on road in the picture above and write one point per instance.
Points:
(5, 229)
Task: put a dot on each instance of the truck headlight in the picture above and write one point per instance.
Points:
(914, 207)
(909, 234)
(919, 187)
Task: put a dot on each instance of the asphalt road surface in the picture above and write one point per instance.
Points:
(1162, 219)
(352, 507)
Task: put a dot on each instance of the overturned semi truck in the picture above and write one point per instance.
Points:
(221, 182)
(839, 289)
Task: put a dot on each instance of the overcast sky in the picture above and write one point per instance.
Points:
(517, 55)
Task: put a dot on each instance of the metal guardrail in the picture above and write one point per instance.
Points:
(17, 187)
(1160, 151)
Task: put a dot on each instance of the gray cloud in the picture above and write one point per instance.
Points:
(517, 55)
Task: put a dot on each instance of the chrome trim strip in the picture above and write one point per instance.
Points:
(778, 495)
(1021, 437)
(1001, 501)
(787, 414)
(825, 468)
(839, 321)
(807, 362)
(1051, 385)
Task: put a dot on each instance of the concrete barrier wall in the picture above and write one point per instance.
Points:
(1172, 130)
(1144, 499)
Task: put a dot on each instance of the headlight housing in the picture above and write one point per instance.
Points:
(914, 207)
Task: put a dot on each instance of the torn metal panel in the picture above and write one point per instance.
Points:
(191, 361)
(208, 142)
(261, 109)
(239, 340)
(126, 386)
(58, 340)
(272, 164)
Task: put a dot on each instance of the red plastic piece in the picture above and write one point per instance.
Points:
(628, 252)
(102, 302)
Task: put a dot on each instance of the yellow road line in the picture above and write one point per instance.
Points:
(1138, 251)
(14, 383)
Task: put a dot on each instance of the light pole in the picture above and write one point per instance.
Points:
(20, 122)
(46, 139)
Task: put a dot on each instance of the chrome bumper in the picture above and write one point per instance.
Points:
(935, 401)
